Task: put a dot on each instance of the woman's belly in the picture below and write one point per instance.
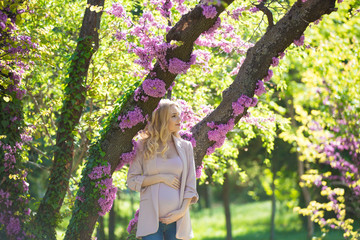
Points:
(168, 199)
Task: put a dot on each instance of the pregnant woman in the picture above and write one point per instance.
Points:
(163, 171)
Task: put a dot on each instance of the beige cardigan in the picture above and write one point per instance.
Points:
(148, 222)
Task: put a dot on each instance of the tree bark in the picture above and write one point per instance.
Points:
(47, 215)
(226, 202)
(187, 30)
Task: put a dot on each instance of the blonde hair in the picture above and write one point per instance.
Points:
(157, 131)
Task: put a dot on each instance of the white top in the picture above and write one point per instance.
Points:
(169, 198)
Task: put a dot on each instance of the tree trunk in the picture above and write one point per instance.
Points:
(273, 204)
(226, 202)
(100, 233)
(307, 198)
(301, 169)
(47, 215)
(112, 219)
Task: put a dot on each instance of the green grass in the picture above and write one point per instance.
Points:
(250, 222)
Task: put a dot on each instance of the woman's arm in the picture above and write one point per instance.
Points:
(168, 179)
(177, 214)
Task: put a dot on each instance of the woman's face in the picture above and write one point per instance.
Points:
(175, 120)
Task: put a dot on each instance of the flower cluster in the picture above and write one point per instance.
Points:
(260, 88)
(253, 9)
(269, 76)
(275, 61)
(105, 185)
(242, 103)
(257, 121)
(99, 172)
(199, 170)
(131, 119)
(223, 36)
(218, 134)
(154, 87)
(189, 118)
(209, 11)
(237, 12)
(177, 66)
(133, 222)
(299, 42)
(127, 157)
(108, 194)
(138, 96)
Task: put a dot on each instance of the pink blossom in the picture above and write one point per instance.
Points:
(154, 87)
(120, 35)
(260, 88)
(300, 41)
(131, 119)
(108, 192)
(237, 108)
(209, 11)
(177, 66)
(13, 226)
(237, 12)
(275, 61)
(127, 157)
(317, 21)
(138, 96)
(281, 55)
(117, 10)
(254, 9)
(187, 135)
(218, 134)
(269, 76)
(199, 170)
(98, 172)
(133, 221)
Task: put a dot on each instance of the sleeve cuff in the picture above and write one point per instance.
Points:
(194, 197)
(136, 182)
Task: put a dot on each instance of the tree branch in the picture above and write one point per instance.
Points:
(256, 65)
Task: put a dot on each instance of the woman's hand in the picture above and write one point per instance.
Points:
(173, 216)
(171, 180)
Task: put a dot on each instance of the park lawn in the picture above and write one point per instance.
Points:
(250, 221)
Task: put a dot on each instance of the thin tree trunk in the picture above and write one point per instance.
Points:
(47, 215)
(208, 202)
(112, 219)
(307, 197)
(273, 205)
(301, 169)
(226, 202)
(100, 233)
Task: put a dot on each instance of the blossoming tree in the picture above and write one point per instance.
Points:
(167, 38)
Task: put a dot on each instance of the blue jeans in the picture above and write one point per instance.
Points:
(165, 232)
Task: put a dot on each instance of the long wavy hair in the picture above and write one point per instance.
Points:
(156, 131)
